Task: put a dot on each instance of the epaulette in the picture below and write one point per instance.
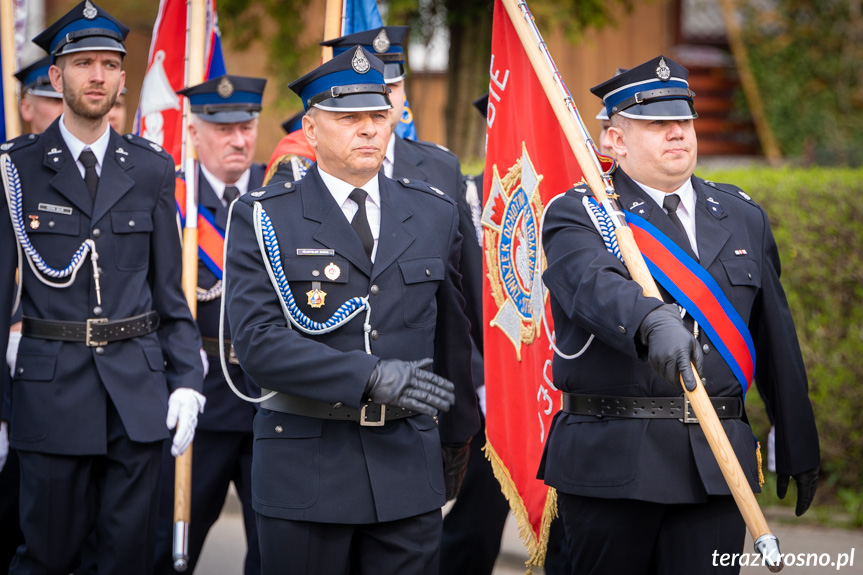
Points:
(731, 190)
(147, 145)
(434, 146)
(21, 141)
(423, 187)
(271, 191)
(580, 188)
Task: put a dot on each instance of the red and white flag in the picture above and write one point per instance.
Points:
(160, 112)
(528, 162)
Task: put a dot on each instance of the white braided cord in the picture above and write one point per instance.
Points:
(12, 186)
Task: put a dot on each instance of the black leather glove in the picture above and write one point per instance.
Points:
(807, 483)
(407, 384)
(670, 346)
(455, 458)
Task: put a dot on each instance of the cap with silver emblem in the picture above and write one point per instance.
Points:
(353, 81)
(226, 99)
(86, 27)
(384, 42)
(655, 90)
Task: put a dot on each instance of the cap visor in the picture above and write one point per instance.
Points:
(232, 117)
(394, 72)
(45, 93)
(603, 114)
(92, 43)
(355, 103)
(662, 110)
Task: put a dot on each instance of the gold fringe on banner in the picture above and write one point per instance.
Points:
(535, 549)
(758, 459)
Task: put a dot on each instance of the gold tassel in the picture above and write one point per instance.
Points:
(758, 459)
(535, 549)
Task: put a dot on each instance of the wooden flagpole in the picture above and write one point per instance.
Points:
(332, 27)
(194, 75)
(10, 83)
(567, 115)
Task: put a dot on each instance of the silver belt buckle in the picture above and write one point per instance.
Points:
(688, 415)
(88, 336)
(379, 423)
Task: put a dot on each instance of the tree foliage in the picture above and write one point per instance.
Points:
(817, 220)
(291, 47)
(807, 56)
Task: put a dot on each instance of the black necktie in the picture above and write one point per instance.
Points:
(231, 193)
(91, 178)
(360, 223)
(670, 203)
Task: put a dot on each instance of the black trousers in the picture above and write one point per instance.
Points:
(10, 529)
(219, 457)
(407, 546)
(474, 525)
(614, 536)
(63, 498)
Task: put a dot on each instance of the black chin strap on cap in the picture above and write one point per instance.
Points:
(337, 91)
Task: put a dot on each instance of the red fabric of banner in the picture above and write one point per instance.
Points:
(161, 109)
(521, 400)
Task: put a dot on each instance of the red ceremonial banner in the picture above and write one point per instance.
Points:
(528, 162)
(160, 112)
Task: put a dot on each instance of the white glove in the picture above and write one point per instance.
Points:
(4, 443)
(206, 362)
(184, 405)
(12, 349)
(480, 396)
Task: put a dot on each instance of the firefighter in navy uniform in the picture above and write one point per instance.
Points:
(224, 130)
(639, 490)
(109, 358)
(348, 473)
(428, 162)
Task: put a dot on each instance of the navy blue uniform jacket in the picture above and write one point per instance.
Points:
(337, 471)
(60, 388)
(439, 167)
(224, 411)
(665, 460)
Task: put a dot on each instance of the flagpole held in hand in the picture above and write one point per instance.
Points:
(600, 184)
(183, 463)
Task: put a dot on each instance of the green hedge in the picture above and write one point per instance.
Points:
(817, 219)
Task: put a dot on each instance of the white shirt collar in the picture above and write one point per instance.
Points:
(219, 186)
(340, 189)
(76, 146)
(686, 193)
(390, 156)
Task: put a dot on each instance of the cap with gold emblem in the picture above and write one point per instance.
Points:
(226, 99)
(384, 42)
(85, 27)
(655, 90)
(353, 81)
(34, 79)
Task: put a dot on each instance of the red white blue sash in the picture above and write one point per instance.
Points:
(211, 238)
(698, 292)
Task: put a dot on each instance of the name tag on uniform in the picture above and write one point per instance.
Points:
(315, 252)
(66, 211)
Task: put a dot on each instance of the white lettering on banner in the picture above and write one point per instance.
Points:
(492, 94)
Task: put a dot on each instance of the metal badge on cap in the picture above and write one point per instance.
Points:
(225, 88)
(90, 11)
(360, 63)
(663, 72)
(381, 43)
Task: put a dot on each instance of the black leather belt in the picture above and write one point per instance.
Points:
(647, 407)
(210, 345)
(370, 415)
(93, 332)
